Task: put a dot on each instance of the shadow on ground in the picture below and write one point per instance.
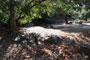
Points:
(26, 47)
(32, 47)
(74, 28)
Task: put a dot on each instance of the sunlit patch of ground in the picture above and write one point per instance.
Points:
(79, 32)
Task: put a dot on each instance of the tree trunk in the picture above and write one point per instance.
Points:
(66, 20)
(86, 19)
(12, 19)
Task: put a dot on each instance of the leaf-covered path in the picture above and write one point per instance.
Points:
(65, 45)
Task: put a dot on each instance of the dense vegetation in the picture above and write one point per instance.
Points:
(22, 11)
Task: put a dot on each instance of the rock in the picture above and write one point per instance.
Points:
(52, 40)
(85, 48)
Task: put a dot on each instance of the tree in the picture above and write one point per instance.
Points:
(67, 9)
(81, 9)
(13, 11)
(78, 9)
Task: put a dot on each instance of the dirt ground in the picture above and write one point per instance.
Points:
(67, 40)
(77, 30)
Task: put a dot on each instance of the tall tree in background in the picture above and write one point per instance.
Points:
(81, 9)
(12, 18)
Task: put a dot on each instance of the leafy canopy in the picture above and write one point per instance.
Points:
(28, 9)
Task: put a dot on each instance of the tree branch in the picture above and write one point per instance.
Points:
(21, 17)
(39, 2)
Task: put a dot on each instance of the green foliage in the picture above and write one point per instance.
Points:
(81, 12)
(81, 9)
(28, 8)
(4, 13)
(35, 8)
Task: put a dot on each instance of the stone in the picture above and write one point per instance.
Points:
(85, 48)
(52, 40)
